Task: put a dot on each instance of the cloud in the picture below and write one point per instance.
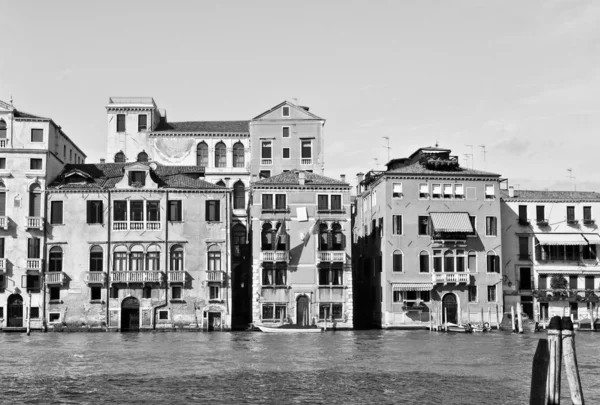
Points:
(63, 74)
(514, 145)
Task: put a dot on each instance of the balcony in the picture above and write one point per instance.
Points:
(523, 221)
(34, 223)
(274, 256)
(589, 221)
(453, 278)
(331, 256)
(4, 223)
(217, 276)
(176, 276)
(136, 225)
(331, 211)
(306, 162)
(542, 222)
(55, 277)
(34, 264)
(153, 226)
(567, 294)
(119, 226)
(95, 277)
(572, 221)
(136, 276)
(266, 162)
(276, 210)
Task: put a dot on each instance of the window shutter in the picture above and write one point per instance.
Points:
(217, 210)
(2, 204)
(496, 264)
(329, 240)
(90, 217)
(542, 282)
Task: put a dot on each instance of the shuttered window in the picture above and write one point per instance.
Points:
(120, 211)
(491, 226)
(397, 262)
(35, 200)
(539, 213)
(33, 248)
(280, 202)
(153, 211)
(174, 212)
(396, 224)
(37, 135)
(493, 263)
(267, 201)
(95, 211)
(543, 282)
(336, 202)
(2, 204)
(120, 122)
(322, 201)
(1, 247)
(56, 212)
(142, 122)
(213, 210)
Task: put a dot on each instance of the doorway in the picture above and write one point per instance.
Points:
(214, 321)
(15, 311)
(130, 315)
(302, 311)
(525, 278)
(527, 304)
(449, 307)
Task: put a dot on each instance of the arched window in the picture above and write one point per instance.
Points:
(96, 258)
(424, 261)
(176, 258)
(214, 258)
(35, 200)
(472, 261)
(438, 260)
(220, 183)
(142, 157)
(239, 239)
(266, 237)
(120, 157)
(338, 238)
(153, 258)
(120, 258)
(220, 155)
(202, 154)
(323, 237)
(449, 261)
(2, 129)
(136, 258)
(460, 260)
(55, 259)
(397, 261)
(493, 262)
(239, 195)
(281, 237)
(238, 155)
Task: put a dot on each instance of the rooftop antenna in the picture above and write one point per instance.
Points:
(376, 164)
(484, 152)
(295, 101)
(436, 143)
(572, 178)
(471, 154)
(11, 100)
(388, 146)
(468, 156)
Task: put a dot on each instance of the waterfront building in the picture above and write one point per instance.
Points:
(33, 150)
(550, 242)
(286, 137)
(138, 245)
(427, 239)
(301, 271)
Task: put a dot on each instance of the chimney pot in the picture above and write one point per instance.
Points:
(102, 161)
(511, 191)
(343, 177)
(227, 181)
(301, 178)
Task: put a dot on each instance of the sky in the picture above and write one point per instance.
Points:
(518, 80)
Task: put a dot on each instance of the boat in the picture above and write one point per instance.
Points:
(452, 327)
(268, 329)
(478, 328)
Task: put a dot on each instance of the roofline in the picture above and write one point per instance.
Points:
(292, 105)
(58, 127)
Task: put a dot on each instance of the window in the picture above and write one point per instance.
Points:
(136, 211)
(32, 283)
(142, 157)
(447, 191)
(137, 178)
(491, 226)
(437, 261)
(55, 259)
(280, 202)
(34, 312)
(95, 212)
(220, 183)
(266, 150)
(589, 252)
(120, 122)
(587, 211)
(330, 311)
(147, 292)
(120, 259)
(54, 317)
(176, 292)
(424, 262)
(120, 211)
(33, 248)
(2, 163)
(397, 190)
(396, 224)
(267, 201)
(374, 198)
(153, 258)
(570, 214)
(174, 212)
(472, 293)
(274, 276)
(424, 190)
(273, 312)
(136, 259)
(96, 258)
(489, 192)
(213, 212)
(95, 293)
(540, 215)
(491, 293)
(322, 202)
(460, 261)
(202, 154)
(331, 276)
(220, 155)
(142, 122)
(37, 135)
(176, 258)
(449, 261)
(214, 292)
(35, 164)
(285, 132)
(239, 195)
(153, 211)
(1, 253)
(397, 261)
(523, 248)
(54, 293)
(523, 214)
(264, 174)
(119, 157)
(473, 220)
(238, 155)
(423, 225)
(286, 153)
(306, 146)
(285, 111)
(56, 212)
(214, 261)
(163, 315)
(493, 263)
(114, 292)
(472, 261)
(459, 191)
(2, 129)
(35, 200)
(437, 191)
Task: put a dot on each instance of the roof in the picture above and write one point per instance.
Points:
(131, 100)
(300, 108)
(291, 178)
(107, 175)
(552, 196)
(204, 126)
(22, 114)
(451, 222)
(418, 168)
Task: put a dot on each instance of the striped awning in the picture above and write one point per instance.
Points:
(451, 222)
(592, 238)
(561, 239)
(412, 286)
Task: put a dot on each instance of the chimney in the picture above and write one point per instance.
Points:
(227, 181)
(102, 161)
(360, 177)
(511, 191)
(343, 177)
(301, 178)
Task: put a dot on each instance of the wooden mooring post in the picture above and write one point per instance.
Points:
(570, 359)
(512, 319)
(520, 317)
(554, 362)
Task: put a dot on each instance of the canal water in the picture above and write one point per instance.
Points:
(358, 367)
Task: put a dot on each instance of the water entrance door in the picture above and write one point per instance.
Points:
(525, 278)
(302, 312)
(15, 311)
(214, 321)
(449, 306)
(130, 315)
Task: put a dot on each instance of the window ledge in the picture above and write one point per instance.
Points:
(177, 301)
(276, 286)
(96, 302)
(56, 301)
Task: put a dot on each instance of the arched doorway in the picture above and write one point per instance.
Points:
(302, 311)
(450, 306)
(15, 311)
(130, 314)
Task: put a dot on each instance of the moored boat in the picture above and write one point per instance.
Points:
(268, 329)
(452, 327)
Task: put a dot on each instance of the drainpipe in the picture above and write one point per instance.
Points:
(43, 273)
(108, 257)
(166, 264)
(228, 197)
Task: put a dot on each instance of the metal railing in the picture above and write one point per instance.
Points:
(446, 278)
(331, 256)
(274, 255)
(136, 276)
(176, 276)
(95, 277)
(34, 222)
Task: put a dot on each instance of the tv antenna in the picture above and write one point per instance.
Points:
(470, 154)
(484, 152)
(572, 178)
(387, 138)
(376, 163)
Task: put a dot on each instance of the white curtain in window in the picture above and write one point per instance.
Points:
(424, 188)
(489, 189)
(447, 188)
(437, 189)
(397, 187)
(459, 189)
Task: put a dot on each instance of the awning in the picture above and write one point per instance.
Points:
(412, 286)
(451, 222)
(561, 239)
(592, 238)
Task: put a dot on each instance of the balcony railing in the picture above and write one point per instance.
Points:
(2, 265)
(266, 162)
(331, 256)
(55, 277)
(136, 276)
(153, 226)
(95, 277)
(275, 210)
(542, 222)
(572, 221)
(274, 255)
(4, 222)
(176, 276)
(214, 276)
(3, 143)
(34, 264)
(34, 223)
(523, 221)
(306, 161)
(331, 211)
(136, 226)
(119, 226)
(567, 294)
(446, 278)
(589, 221)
